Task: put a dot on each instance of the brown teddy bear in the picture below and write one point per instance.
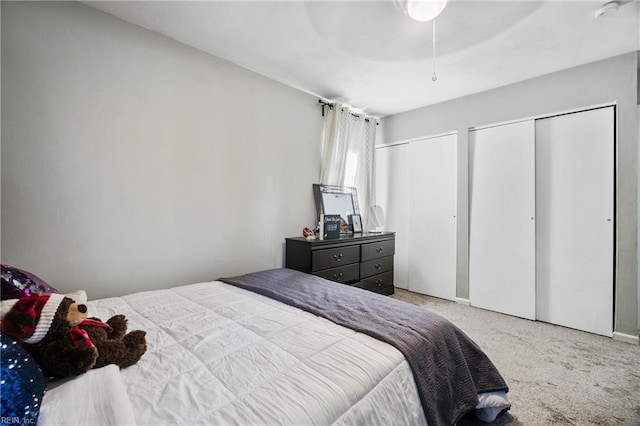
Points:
(114, 346)
(49, 327)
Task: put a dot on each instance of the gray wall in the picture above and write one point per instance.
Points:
(612, 80)
(133, 162)
(638, 88)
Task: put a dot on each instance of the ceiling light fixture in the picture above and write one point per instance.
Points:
(607, 9)
(434, 76)
(422, 10)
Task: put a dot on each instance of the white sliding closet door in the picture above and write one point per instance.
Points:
(574, 191)
(432, 209)
(501, 219)
(392, 194)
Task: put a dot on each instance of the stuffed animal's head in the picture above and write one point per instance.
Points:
(35, 318)
(308, 234)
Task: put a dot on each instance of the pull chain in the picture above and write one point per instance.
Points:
(434, 77)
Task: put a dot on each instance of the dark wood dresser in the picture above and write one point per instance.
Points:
(362, 260)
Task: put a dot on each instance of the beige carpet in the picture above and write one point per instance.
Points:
(556, 375)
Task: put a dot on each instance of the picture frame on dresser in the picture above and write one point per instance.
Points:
(330, 226)
(355, 222)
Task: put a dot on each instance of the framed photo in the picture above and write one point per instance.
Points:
(330, 226)
(356, 223)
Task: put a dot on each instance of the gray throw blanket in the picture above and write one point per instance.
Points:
(448, 367)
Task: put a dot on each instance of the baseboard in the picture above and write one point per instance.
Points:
(462, 301)
(627, 338)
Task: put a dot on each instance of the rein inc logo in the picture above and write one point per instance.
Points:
(15, 420)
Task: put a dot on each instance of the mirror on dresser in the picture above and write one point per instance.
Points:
(338, 200)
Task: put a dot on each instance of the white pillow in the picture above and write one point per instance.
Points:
(490, 404)
(98, 397)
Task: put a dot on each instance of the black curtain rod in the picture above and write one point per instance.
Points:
(324, 105)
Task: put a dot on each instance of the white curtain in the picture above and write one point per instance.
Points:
(348, 154)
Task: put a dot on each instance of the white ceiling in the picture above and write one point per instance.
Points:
(371, 56)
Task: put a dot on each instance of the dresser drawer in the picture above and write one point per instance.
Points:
(372, 251)
(382, 283)
(376, 266)
(334, 257)
(342, 274)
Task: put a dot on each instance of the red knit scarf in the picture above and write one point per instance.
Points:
(80, 337)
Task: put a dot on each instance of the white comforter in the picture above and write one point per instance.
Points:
(218, 354)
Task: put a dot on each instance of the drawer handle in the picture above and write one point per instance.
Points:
(337, 257)
(379, 282)
(337, 276)
(379, 250)
(378, 266)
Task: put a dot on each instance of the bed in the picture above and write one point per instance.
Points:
(247, 351)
